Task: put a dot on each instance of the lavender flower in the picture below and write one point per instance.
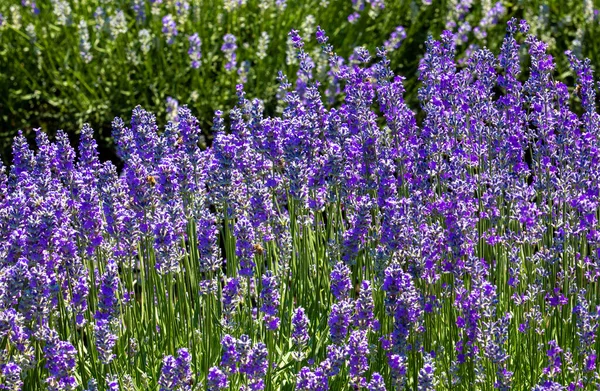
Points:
(106, 340)
(145, 39)
(169, 28)
(306, 380)
(100, 18)
(175, 373)
(364, 317)
(194, 50)
(256, 365)
(300, 335)
(403, 303)
(358, 350)
(62, 12)
(270, 300)
(216, 379)
(244, 246)
(30, 4)
(554, 367)
(207, 236)
(231, 5)
(231, 356)
(427, 380)
(112, 382)
(376, 383)
(231, 298)
(395, 40)
(84, 42)
(172, 109)
(12, 377)
(228, 48)
(92, 385)
(398, 367)
(60, 362)
(108, 294)
(139, 8)
(341, 283)
(117, 24)
(339, 321)
(263, 45)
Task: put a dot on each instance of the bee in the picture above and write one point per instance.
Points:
(151, 180)
(280, 164)
(258, 249)
(179, 140)
(578, 89)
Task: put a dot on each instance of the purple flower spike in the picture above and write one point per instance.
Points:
(169, 28)
(12, 377)
(341, 282)
(377, 383)
(270, 299)
(244, 246)
(176, 373)
(194, 50)
(358, 350)
(61, 363)
(229, 47)
(300, 335)
(322, 38)
(216, 379)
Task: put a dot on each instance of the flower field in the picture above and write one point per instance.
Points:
(344, 239)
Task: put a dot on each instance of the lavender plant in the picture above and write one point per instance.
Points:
(362, 246)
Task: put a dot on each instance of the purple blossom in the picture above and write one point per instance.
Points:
(300, 335)
(427, 380)
(364, 317)
(230, 356)
(244, 246)
(228, 48)
(321, 36)
(554, 358)
(296, 39)
(176, 373)
(306, 380)
(255, 367)
(30, 4)
(106, 340)
(270, 300)
(376, 383)
(398, 367)
(358, 350)
(403, 302)
(216, 379)
(108, 294)
(12, 377)
(139, 8)
(395, 40)
(339, 321)
(194, 50)
(341, 282)
(60, 362)
(169, 28)
(232, 291)
(209, 253)
(112, 383)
